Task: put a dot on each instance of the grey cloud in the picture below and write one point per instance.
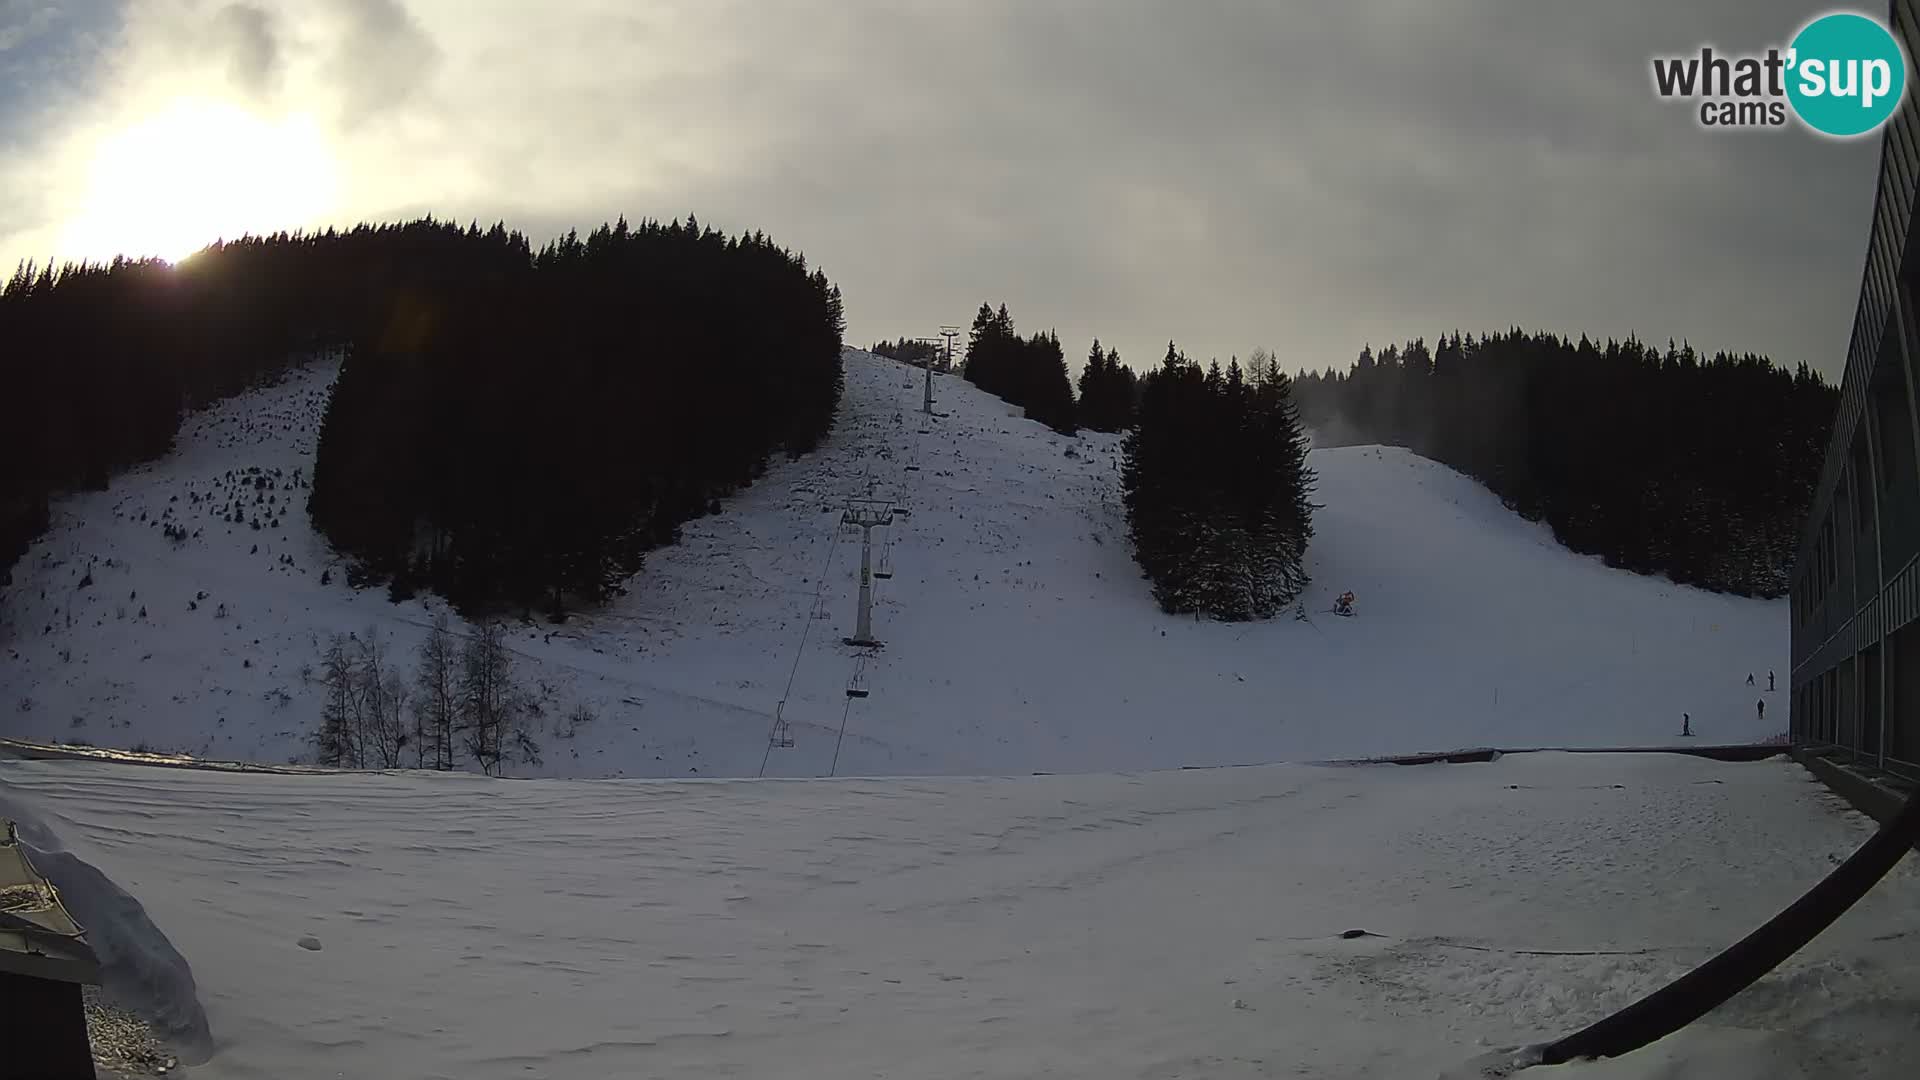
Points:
(246, 35)
(383, 59)
(1306, 176)
(1234, 174)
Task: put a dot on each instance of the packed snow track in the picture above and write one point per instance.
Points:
(1182, 923)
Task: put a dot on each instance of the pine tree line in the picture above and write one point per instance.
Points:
(1662, 462)
(1029, 372)
(1109, 391)
(909, 351)
(554, 421)
(606, 390)
(1216, 486)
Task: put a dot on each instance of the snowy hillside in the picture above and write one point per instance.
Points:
(1019, 635)
(1176, 924)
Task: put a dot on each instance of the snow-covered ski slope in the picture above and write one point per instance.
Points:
(1171, 924)
(1019, 634)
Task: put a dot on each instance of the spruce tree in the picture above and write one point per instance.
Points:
(1216, 490)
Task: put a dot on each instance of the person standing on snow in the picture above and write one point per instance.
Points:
(1760, 707)
(1769, 682)
(1749, 678)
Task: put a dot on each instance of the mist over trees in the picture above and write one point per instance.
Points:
(1030, 372)
(1216, 487)
(511, 427)
(1660, 461)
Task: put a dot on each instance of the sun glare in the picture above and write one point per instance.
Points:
(197, 171)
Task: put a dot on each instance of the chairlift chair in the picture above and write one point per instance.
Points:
(782, 731)
(857, 686)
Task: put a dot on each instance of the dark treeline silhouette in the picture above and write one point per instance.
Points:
(1660, 462)
(1029, 372)
(522, 439)
(584, 390)
(909, 351)
(1109, 391)
(100, 361)
(1216, 487)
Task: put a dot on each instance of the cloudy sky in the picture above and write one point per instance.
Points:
(1298, 174)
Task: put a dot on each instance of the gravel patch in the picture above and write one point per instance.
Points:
(123, 1044)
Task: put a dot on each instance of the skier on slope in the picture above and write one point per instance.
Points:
(1344, 605)
(1749, 678)
(1769, 682)
(1760, 707)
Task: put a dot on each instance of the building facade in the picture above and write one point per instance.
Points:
(1856, 582)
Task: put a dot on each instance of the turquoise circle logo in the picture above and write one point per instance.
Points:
(1847, 74)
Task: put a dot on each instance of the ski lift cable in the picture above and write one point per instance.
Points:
(1741, 964)
(813, 608)
(834, 769)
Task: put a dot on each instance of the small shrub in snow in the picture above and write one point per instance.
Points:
(527, 750)
(569, 725)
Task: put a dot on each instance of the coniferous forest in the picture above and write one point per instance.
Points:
(911, 351)
(1109, 391)
(1662, 462)
(1216, 485)
(1030, 372)
(511, 428)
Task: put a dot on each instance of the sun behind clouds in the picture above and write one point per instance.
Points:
(196, 171)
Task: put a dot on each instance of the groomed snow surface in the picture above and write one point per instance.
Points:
(1019, 634)
(1172, 924)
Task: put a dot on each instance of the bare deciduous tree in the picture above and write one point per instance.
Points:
(362, 716)
(382, 701)
(438, 699)
(336, 742)
(487, 699)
